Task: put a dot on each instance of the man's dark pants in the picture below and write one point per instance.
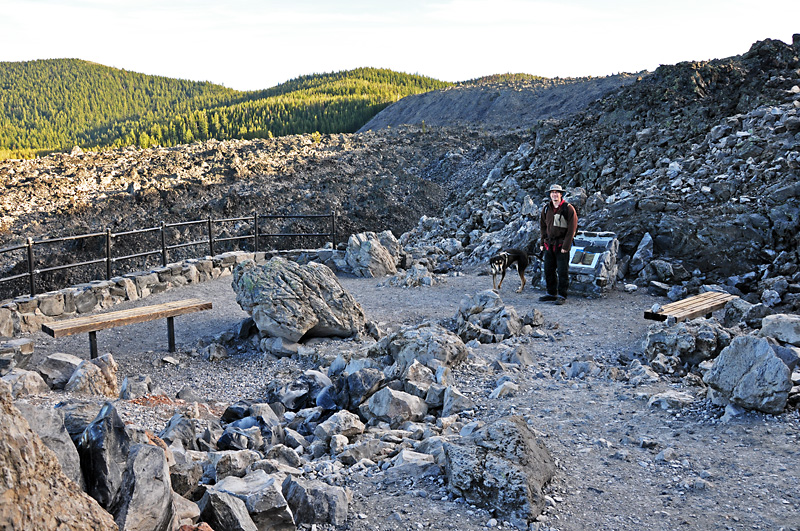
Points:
(556, 272)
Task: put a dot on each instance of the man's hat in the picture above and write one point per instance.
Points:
(556, 188)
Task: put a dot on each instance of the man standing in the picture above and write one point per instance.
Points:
(558, 225)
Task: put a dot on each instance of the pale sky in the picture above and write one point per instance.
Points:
(257, 44)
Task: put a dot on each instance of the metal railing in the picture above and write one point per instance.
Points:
(209, 224)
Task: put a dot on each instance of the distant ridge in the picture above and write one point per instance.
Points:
(514, 101)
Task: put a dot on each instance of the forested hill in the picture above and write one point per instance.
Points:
(55, 104)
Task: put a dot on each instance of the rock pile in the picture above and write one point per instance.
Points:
(37, 478)
(274, 462)
(484, 317)
(503, 465)
(675, 348)
(699, 156)
(499, 105)
(374, 181)
(372, 255)
(751, 371)
(415, 277)
(671, 162)
(677, 162)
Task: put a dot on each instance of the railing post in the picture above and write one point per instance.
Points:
(108, 254)
(255, 224)
(163, 245)
(29, 243)
(333, 229)
(210, 237)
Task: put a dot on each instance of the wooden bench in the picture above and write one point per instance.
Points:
(93, 323)
(691, 307)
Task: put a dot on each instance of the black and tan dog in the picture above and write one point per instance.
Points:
(503, 260)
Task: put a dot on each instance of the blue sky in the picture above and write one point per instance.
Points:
(254, 44)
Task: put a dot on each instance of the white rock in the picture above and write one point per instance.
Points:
(670, 399)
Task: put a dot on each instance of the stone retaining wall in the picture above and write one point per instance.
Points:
(25, 315)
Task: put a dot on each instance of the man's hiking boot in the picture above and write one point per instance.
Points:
(561, 300)
(547, 298)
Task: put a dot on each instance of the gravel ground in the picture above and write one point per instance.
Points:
(622, 465)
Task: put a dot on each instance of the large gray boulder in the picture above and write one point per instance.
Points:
(739, 310)
(340, 423)
(749, 374)
(185, 476)
(186, 513)
(232, 462)
(103, 448)
(395, 406)
(390, 243)
(315, 502)
(430, 344)
(144, 500)
(783, 327)
(183, 429)
(96, 377)
(36, 494)
(484, 317)
(643, 254)
(15, 353)
(417, 379)
(78, 414)
(261, 494)
(351, 391)
(789, 354)
(501, 467)
(225, 511)
(57, 369)
(454, 402)
(25, 383)
(367, 257)
(295, 301)
(670, 347)
(48, 423)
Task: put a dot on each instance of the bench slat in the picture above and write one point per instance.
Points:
(708, 297)
(92, 323)
(697, 311)
(691, 307)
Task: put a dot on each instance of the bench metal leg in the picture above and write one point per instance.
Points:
(93, 344)
(171, 333)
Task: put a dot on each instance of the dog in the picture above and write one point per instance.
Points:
(503, 260)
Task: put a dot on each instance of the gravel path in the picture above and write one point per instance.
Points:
(622, 465)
